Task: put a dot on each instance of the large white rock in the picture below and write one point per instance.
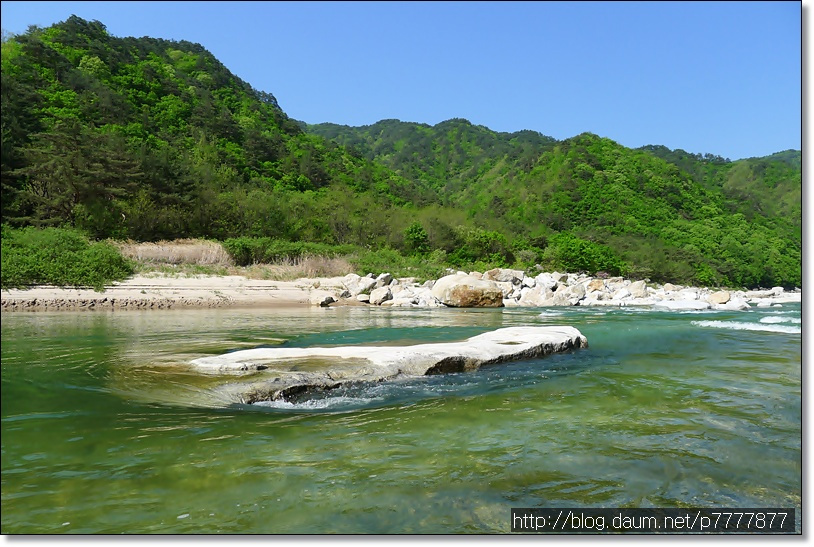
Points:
(734, 304)
(621, 294)
(377, 296)
(638, 289)
(536, 296)
(505, 275)
(287, 372)
(720, 297)
(358, 285)
(464, 291)
(546, 280)
(595, 285)
(383, 280)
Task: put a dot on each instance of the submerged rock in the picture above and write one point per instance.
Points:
(287, 372)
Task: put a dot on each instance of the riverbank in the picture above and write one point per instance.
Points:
(164, 292)
(159, 291)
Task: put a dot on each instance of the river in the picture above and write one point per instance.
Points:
(105, 431)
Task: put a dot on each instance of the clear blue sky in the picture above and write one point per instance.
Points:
(718, 77)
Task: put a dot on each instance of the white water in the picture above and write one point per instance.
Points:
(741, 325)
(775, 319)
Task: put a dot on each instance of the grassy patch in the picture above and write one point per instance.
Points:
(56, 256)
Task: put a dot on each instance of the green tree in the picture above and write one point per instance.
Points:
(416, 240)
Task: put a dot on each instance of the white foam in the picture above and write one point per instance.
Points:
(319, 404)
(739, 325)
(776, 319)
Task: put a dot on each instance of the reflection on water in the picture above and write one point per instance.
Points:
(106, 430)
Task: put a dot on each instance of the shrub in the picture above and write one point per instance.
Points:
(246, 251)
(567, 252)
(57, 256)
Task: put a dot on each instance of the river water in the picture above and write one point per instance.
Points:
(105, 431)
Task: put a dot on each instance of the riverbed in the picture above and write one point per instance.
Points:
(106, 430)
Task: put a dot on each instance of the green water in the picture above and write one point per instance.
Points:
(104, 430)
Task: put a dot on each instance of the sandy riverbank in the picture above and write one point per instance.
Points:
(162, 292)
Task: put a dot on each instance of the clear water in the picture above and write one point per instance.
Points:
(105, 431)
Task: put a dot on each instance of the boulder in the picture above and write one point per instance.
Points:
(358, 285)
(596, 285)
(363, 298)
(505, 275)
(278, 373)
(677, 305)
(560, 299)
(638, 289)
(621, 294)
(383, 280)
(720, 297)
(559, 277)
(321, 298)
(535, 297)
(577, 290)
(546, 281)
(734, 304)
(506, 287)
(463, 291)
(377, 296)
(687, 294)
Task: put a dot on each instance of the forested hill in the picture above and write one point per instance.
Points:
(666, 213)
(147, 138)
(150, 139)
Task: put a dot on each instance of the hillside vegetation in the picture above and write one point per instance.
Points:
(147, 139)
(652, 212)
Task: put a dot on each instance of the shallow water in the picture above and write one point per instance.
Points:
(105, 430)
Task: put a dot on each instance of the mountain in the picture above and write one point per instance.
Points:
(148, 139)
(666, 213)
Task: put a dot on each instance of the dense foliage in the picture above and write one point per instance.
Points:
(150, 139)
(588, 203)
(55, 256)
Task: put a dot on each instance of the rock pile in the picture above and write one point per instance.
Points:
(507, 287)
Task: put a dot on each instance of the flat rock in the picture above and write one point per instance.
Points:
(286, 372)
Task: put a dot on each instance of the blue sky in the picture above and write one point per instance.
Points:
(717, 77)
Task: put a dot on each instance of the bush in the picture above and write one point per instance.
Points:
(56, 256)
(246, 251)
(432, 266)
(569, 253)
(416, 239)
